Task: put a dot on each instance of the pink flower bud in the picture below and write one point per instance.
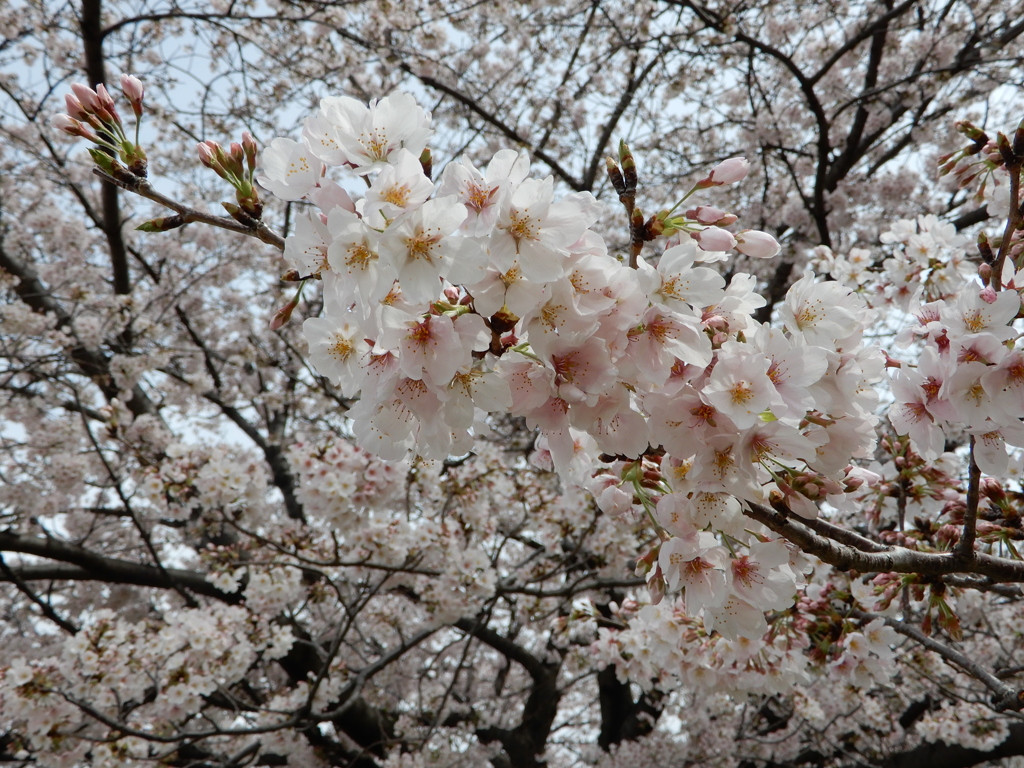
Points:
(283, 315)
(106, 102)
(714, 239)
(708, 214)
(760, 245)
(86, 96)
(132, 88)
(249, 147)
(74, 107)
(67, 124)
(988, 294)
(206, 154)
(729, 171)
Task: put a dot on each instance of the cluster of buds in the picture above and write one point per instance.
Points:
(92, 115)
(983, 155)
(625, 180)
(798, 490)
(703, 223)
(237, 166)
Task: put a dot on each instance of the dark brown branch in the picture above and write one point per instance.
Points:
(144, 189)
(6, 574)
(91, 23)
(80, 564)
(892, 560)
(941, 755)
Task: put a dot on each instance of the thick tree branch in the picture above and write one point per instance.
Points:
(84, 565)
(95, 70)
(892, 560)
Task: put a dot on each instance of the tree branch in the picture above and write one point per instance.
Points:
(84, 565)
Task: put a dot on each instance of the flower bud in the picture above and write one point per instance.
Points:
(985, 250)
(427, 162)
(106, 101)
(729, 171)
(284, 314)
(86, 96)
(237, 156)
(615, 176)
(206, 155)
(708, 214)
(69, 126)
(133, 90)
(992, 489)
(714, 239)
(968, 129)
(759, 245)
(74, 107)
(628, 167)
(249, 147)
(162, 224)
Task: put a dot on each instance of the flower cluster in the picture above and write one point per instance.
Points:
(928, 262)
(487, 294)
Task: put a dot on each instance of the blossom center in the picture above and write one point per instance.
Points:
(741, 392)
(358, 256)
(522, 227)
(341, 348)
(397, 195)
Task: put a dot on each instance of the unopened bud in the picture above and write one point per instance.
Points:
(74, 107)
(759, 245)
(985, 251)
(284, 314)
(708, 214)
(206, 154)
(427, 163)
(629, 175)
(162, 224)
(102, 159)
(615, 176)
(729, 171)
(86, 96)
(237, 159)
(106, 102)
(971, 131)
(132, 88)
(714, 239)
(992, 489)
(1018, 141)
(71, 126)
(250, 149)
(948, 534)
